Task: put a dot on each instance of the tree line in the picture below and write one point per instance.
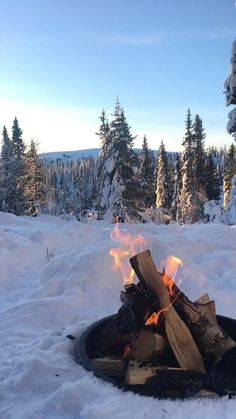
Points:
(120, 182)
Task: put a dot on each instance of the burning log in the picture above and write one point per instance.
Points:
(199, 316)
(178, 334)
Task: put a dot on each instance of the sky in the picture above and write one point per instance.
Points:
(63, 61)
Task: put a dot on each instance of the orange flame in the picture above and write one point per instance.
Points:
(153, 319)
(129, 246)
(172, 265)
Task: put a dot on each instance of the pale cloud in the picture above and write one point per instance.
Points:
(156, 38)
(131, 40)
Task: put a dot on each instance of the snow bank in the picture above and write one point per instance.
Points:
(56, 279)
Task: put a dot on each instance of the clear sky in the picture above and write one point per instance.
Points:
(62, 61)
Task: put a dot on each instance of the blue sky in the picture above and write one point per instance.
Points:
(62, 61)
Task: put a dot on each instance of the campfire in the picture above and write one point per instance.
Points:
(160, 341)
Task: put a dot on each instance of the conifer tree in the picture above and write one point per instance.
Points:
(7, 178)
(163, 198)
(104, 141)
(199, 157)
(35, 177)
(118, 187)
(212, 182)
(147, 182)
(229, 171)
(189, 200)
(176, 200)
(230, 93)
(18, 169)
(230, 211)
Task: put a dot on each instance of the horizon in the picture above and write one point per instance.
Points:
(158, 59)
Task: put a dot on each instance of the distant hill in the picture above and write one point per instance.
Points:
(69, 155)
(76, 154)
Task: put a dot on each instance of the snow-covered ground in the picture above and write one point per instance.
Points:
(56, 279)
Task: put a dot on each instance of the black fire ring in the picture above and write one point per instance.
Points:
(86, 350)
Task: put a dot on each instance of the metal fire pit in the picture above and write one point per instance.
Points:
(86, 350)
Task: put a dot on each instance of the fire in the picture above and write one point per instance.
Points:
(129, 246)
(172, 265)
(153, 319)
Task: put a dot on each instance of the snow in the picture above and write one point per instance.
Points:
(56, 279)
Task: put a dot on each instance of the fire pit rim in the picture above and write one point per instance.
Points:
(82, 357)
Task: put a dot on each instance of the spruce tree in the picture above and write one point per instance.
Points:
(18, 169)
(147, 182)
(230, 212)
(176, 199)
(230, 93)
(35, 177)
(118, 182)
(212, 183)
(7, 178)
(189, 201)
(199, 154)
(104, 141)
(229, 172)
(163, 198)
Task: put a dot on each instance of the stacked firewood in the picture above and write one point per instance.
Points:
(163, 342)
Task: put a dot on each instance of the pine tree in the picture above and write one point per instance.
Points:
(35, 178)
(212, 182)
(199, 154)
(230, 93)
(104, 140)
(118, 187)
(230, 170)
(189, 200)
(176, 200)
(7, 178)
(163, 198)
(18, 169)
(147, 182)
(230, 211)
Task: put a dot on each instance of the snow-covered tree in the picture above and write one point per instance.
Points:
(199, 154)
(177, 187)
(212, 181)
(35, 176)
(119, 166)
(146, 177)
(163, 198)
(230, 93)
(18, 169)
(229, 171)
(104, 141)
(189, 199)
(231, 205)
(7, 178)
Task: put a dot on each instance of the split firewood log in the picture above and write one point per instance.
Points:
(146, 345)
(114, 367)
(178, 334)
(199, 316)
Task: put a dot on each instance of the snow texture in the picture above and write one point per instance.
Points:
(56, 279)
